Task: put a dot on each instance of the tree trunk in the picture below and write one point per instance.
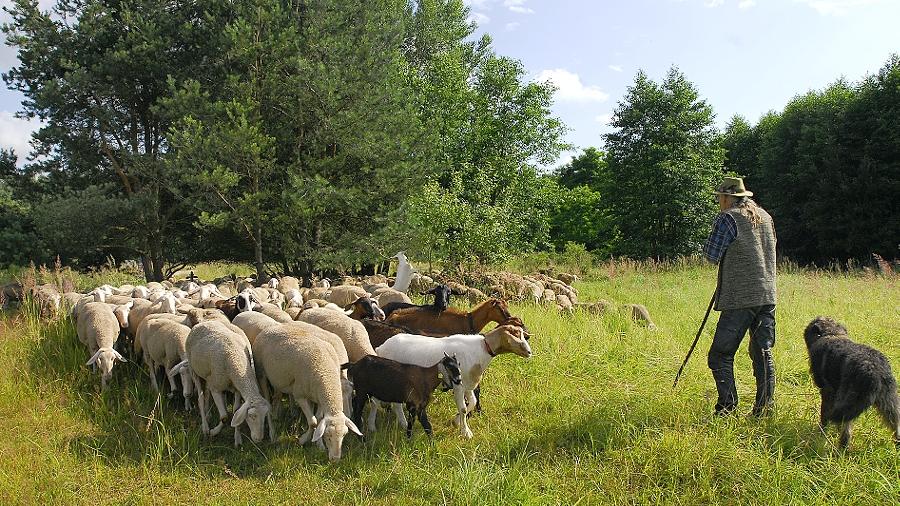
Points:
(260, 268)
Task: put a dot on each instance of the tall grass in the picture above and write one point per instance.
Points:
(591, 418)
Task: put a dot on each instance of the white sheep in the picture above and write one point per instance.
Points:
(404, 273)
(163, 343)
(351, 332)
(293, 361)
(98, 328)
(474, 353)
(385, 296)
(252, 323)
(344, 295)
(220, 359)
(274, 312)
(293, 298)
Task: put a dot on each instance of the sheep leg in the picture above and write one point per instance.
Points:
(186, 391)
(401, 416)
(310, 419)
(201, 404)
(152, 366)
(321, 412)
(219, 399)
(237, 430)
(471, 401)
(172, 386)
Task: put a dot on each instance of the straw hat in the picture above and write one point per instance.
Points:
(733, 186)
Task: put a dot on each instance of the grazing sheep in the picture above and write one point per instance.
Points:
(163, 343)
(391, 381)
(293, 298)
(294, 361)
(567, 278)
(344, 295)
(404, 273)
(386, 296)
(351, 331)
(318, 292)
(641, 315)
(142, 308)
(220, 359)
(851, 377)
(474, 352)
(274, 312)
(98, 328)
(563, 303)
(252, 323)
(288, 283)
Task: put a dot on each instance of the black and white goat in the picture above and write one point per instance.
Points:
(441, 301)
(391, 381)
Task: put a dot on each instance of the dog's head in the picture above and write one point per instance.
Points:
(820, 327)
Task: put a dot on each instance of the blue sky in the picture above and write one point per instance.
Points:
(745, 56)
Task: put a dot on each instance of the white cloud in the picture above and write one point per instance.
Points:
(15, 133)
(478, 18)
(713, 3)
(616, 68)
(836, 7)
(476, 3)
(512, 26)
(604, 119)
(518, 6)
(570, 88)
(746, 4)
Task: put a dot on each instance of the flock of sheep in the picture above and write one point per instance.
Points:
(332, 350)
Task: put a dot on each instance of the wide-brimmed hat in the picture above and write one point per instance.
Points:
(733, 186)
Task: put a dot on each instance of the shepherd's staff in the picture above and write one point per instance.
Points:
(697, 338)
(703, 323)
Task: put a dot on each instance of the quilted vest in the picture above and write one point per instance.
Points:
(748, 270)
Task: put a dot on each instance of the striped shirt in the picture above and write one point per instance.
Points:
(723, 234)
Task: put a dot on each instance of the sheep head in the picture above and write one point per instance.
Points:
(332, 429)
(105, 358)
(253, 412)
(122, 312)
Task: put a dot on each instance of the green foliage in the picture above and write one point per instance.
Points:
(581, 218)
(827, 168)
(587, 169)
(663, 160)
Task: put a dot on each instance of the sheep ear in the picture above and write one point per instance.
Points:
(352, 426)
(240, 415)
(129, 305)
(94, 358)
(119, 356)
(320, 431)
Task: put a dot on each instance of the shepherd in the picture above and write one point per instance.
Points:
(745, 294)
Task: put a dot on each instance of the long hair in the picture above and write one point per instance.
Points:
(750, 209)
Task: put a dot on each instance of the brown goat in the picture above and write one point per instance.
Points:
(451, 321)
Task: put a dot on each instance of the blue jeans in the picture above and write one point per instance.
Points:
(733, 325)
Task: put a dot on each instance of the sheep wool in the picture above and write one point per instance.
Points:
(351, 332)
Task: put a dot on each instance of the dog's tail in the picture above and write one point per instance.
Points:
(888, 405)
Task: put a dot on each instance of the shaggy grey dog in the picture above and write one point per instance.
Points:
(851, 377)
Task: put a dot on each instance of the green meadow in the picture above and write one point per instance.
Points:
(591, 418)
